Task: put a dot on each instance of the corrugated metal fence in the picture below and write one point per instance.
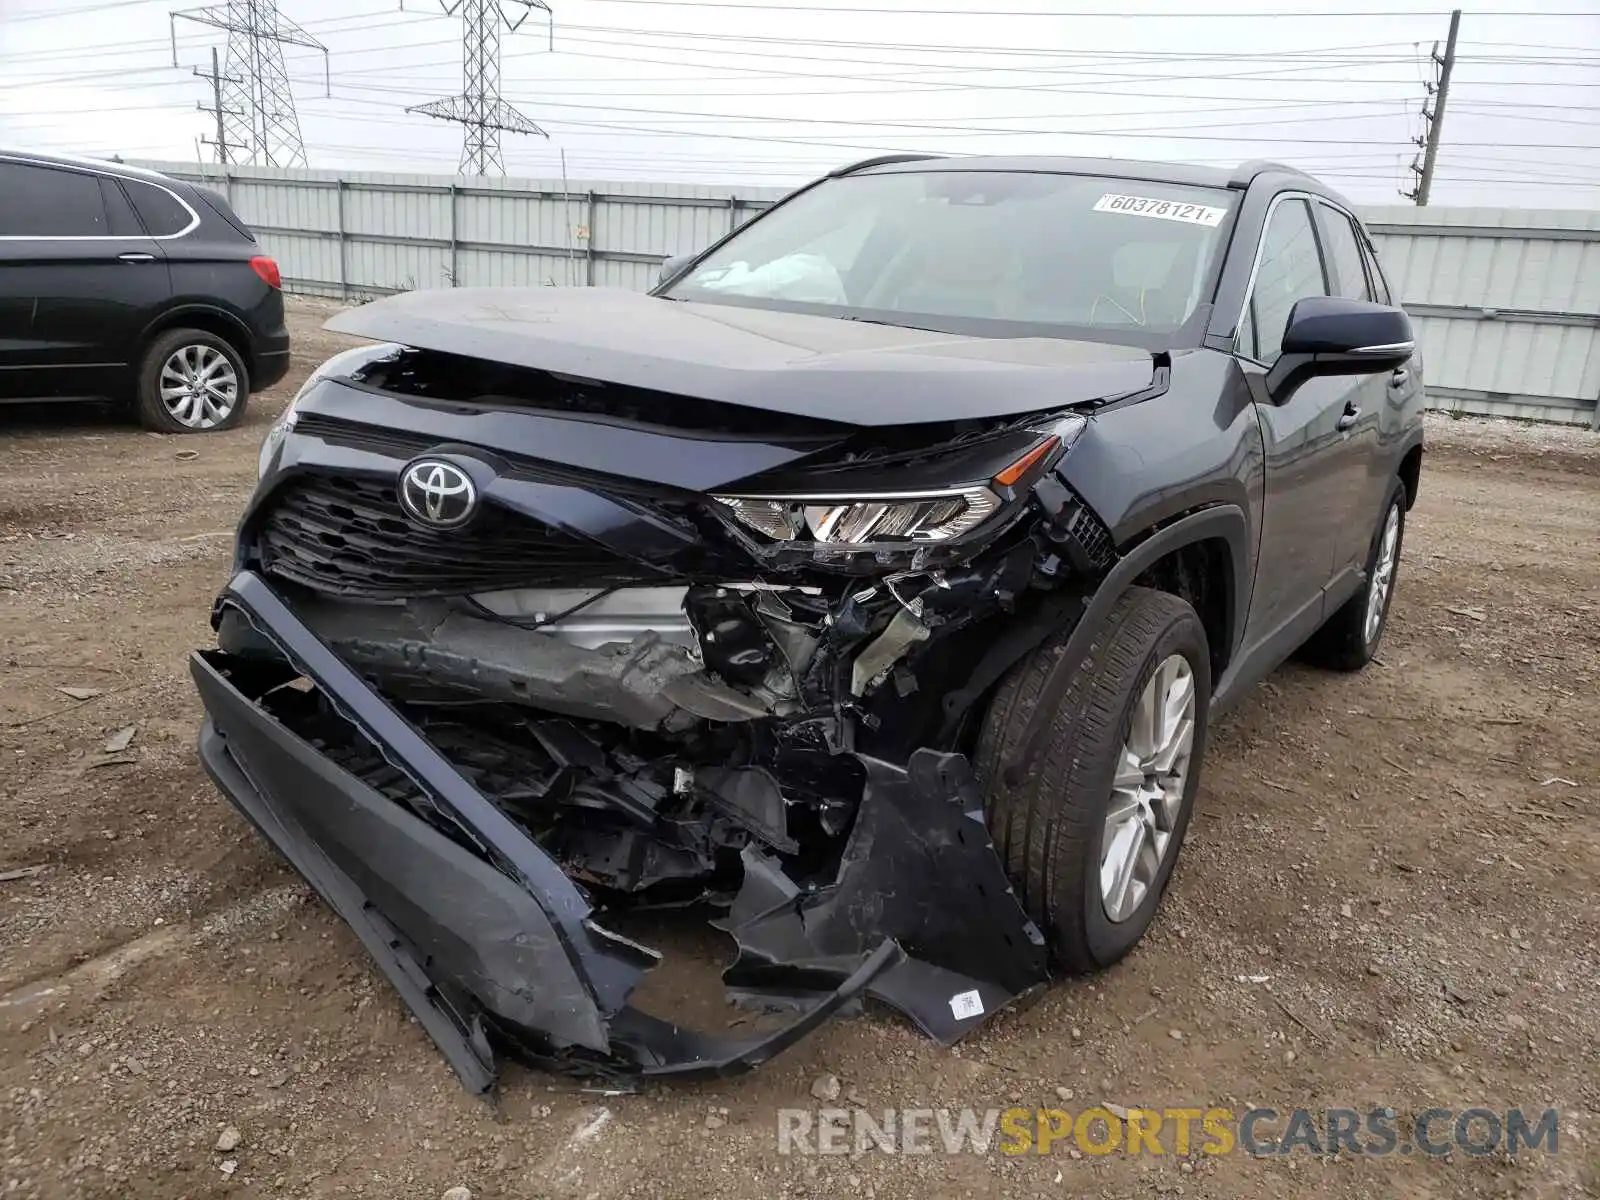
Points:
(1506, 301)
(1506, 304)
(356, 235)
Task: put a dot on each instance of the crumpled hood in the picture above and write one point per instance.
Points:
(823, 367)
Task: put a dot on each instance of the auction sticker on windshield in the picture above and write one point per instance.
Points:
(1167, 210)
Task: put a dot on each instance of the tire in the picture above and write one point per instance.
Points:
(1051, 831)
(170, 362)
(1348, 640)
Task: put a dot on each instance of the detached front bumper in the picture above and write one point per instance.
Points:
(497, 951)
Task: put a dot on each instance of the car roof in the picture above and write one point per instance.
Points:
(1239, 177)
(104, 166)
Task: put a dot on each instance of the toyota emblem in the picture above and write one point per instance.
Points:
(437, 494)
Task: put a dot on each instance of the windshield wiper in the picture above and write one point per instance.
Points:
(879, 321)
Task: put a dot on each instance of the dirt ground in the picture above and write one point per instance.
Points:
(1388, 897)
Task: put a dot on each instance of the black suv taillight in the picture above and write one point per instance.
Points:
(267, 268)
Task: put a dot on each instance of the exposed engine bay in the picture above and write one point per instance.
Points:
(646, 735)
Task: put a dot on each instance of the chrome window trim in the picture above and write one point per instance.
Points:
(99, 173)
(1261, 242)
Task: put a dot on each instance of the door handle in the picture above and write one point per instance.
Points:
(1398, 379)
(136, 256)
(1348, 418)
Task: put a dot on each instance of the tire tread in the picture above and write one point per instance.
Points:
(1045, 827)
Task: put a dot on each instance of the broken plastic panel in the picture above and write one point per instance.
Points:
(480, 883)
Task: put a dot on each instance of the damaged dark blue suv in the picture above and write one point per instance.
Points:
(866, 588)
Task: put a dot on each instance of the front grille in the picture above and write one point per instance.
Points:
(346, 535)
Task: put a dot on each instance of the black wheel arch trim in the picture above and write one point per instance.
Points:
(1225, 521)
(1415, 441)
(172, 318)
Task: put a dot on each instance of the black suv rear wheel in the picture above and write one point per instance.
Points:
(1349, 639)
(191, 381)
(1090, 837)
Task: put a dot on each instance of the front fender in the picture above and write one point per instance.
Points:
(1225, 521)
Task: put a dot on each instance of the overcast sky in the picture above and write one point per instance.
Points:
(759, 91)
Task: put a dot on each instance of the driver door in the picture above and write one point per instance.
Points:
(1305, 508)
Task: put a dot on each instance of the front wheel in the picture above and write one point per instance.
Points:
(1090, 837)
(191, 381)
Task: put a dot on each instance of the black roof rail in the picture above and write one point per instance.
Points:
(881, 160)
(1259, 166)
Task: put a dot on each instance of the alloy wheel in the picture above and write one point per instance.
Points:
(199, 386)
(1382, 573)
(1147, 791)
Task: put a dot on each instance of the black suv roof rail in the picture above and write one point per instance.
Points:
(881, 160)
(1260, 166)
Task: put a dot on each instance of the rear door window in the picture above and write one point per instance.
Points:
(163, 215)
(1380, 285)
(120, 218)
(48, 202)
(1342, 245)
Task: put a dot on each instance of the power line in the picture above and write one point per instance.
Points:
(79, 11)
(1106, 14)
(1125, 79)
(1358, 53)
(122, 45)
(1178, 133)
(1478, 111)
(1268, 74)
(858, 148)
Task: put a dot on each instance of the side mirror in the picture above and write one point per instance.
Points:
(671, 266)
(1329, 335)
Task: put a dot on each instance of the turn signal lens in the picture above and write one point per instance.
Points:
(1028, 461)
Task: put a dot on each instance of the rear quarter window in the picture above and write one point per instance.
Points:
(229, 226)
(162, 213)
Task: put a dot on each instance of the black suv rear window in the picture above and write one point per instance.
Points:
(160, 211)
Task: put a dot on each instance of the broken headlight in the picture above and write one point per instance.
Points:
(935, 515)
(852, 520)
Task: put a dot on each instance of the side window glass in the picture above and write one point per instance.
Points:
(1343, 249)
(1290, 269)
(120, 221)
(162, 215)
(1380, 285)
(46, 202)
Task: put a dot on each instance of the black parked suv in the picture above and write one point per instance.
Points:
(125, 284)
(564, 603)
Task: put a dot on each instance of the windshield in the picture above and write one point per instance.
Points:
(1117, 259)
